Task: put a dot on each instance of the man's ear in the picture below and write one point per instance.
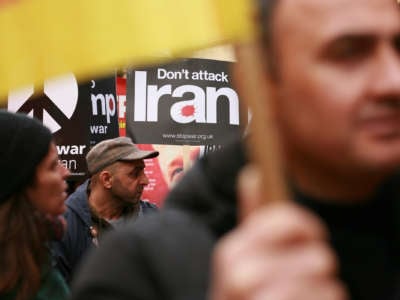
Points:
(106, 179)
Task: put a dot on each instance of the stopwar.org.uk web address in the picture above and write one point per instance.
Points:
(185, 136)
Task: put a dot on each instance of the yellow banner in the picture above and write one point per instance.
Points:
(44, 38)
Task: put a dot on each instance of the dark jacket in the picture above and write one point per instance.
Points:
(78, 239)
(168, 256)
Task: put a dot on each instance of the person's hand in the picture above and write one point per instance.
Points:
(278, 252)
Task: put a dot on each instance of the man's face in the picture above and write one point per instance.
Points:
(128, 180)
(338, 82)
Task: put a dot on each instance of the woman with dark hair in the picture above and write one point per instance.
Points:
(32, 195)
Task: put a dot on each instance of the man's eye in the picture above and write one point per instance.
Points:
(135, 174)
(350, 49)
(397, 43)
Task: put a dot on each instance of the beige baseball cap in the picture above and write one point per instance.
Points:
(110, 151)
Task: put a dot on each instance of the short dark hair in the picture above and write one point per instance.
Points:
(266, 10)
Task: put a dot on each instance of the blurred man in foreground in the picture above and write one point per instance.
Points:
(335, 69)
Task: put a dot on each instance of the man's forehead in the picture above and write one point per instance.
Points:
(339, 16)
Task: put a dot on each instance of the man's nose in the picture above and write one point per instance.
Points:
(144, 180)
(386, 78)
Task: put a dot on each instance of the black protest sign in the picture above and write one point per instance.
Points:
(60, 106)
(78, 115)
(103, 106)
(189, 102)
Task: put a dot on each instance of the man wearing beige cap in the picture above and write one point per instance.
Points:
(107, 200)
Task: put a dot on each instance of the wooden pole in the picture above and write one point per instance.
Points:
(263, 142)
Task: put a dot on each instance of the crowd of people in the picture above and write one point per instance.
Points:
(334, 70)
